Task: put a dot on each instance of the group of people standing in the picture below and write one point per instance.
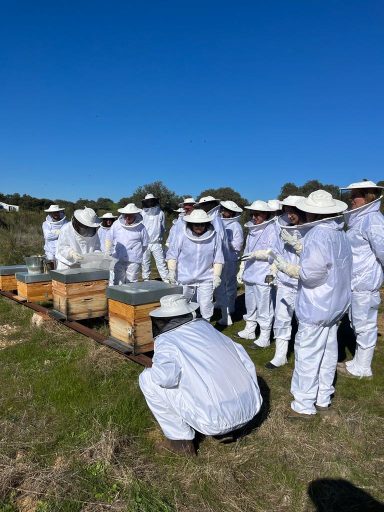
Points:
(313, 256)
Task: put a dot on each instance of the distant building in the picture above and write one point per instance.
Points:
(8, 207)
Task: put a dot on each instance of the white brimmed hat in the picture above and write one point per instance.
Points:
(54, 208)
(260, 206)
(174, 305)
(149, 196)
(88, 217)
(207, 199)
(179, 210)
(362, 184)
(321, 201)
(231, 205)
(291, 200)
(189, 200)
(129, 208)
(197, 217)
(274, 204)
(108, 215)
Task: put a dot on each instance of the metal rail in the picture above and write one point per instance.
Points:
(115, 345)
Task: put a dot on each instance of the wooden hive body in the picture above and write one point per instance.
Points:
(35, 292)
(8, 283)
(79, 301)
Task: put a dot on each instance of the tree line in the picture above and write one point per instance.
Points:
(169, 200)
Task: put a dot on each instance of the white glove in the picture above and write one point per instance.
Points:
(76, 256)
(217, 270)
(171, 277)
(239, 276)
(292, 241)
(172, 265)
(288, 268)
(257, 255)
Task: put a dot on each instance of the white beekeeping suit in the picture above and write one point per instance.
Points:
(323, 297)
(130, 240)
(196, 261)
(200, 379)
(76, 238)
(289, 246)
(366, 235)
(52, 225)
(105, 234)
(226, 293)
(154, 222)
(212, 207)
(187, 207)
(258, 298)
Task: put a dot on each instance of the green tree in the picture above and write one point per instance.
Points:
(306, 189)
(168, 199)
(225, 194)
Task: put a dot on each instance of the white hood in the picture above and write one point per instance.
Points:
(352, 216)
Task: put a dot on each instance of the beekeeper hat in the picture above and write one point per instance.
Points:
(231, 205)
(207, 199)
(87, 217)
(129, 208)
(149, 196)
(54, 208)
(108, 215)
(260, 206)
(197, 217)
(291, 200)
(189, 200)
(179, 210)
(362, 184)
(274, 204)
(174, 305)
(321, 201)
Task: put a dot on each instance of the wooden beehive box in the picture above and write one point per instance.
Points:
(8, 277)
(79, 293)
(129, 306)
(34, 287)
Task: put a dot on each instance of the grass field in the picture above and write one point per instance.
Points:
(76, 435)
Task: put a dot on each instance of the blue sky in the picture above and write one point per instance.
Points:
(98, 98)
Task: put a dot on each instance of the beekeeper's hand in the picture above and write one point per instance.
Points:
(76, 256)
(172, 271)
(217, 270)
(292, 241)
(261, 255)
(288, 268)
(240, 273)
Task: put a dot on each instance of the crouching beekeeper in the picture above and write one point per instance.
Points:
(200, 379)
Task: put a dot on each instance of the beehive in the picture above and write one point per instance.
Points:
(34, 287)
(7, 277)
(129, 306)
(79, 293)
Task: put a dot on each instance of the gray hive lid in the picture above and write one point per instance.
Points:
(146, 292)
(8, 270)
(24, 277)
(79, 275)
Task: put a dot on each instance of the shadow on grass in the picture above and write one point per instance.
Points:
(337, 495)
(346, 339)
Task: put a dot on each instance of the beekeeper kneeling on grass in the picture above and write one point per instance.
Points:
(200, 380)
(77, 238)
(324, 294)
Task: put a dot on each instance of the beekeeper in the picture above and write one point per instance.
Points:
(154, 222)
(200, 380)
(105, 233)
(211, 206)
(289, 246)
(129, 242)
(52, 225)
(196, 260)
(77, 238)
(254, 269)
(323, 297)
(275, 206)
(365, 232)
(187, 206)
(227, 291)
